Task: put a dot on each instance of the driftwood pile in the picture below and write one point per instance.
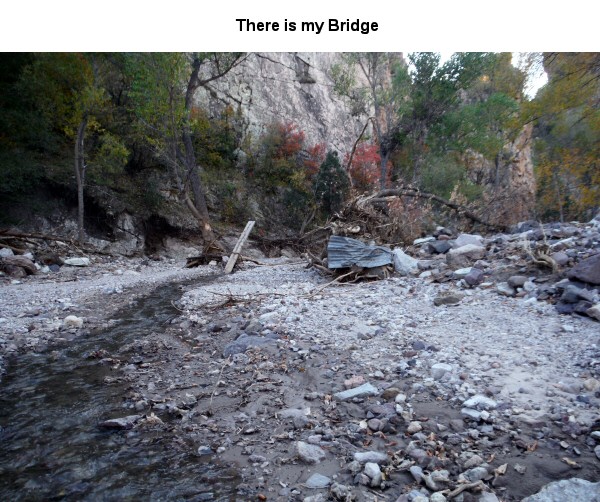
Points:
(18, 249)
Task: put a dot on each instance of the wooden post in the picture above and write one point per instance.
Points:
(238, 247)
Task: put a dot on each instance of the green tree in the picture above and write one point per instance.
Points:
(377, 83)
(331, 184)
(68, 90)
(163, 89)
(566, 114)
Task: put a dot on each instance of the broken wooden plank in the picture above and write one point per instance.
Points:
(238, 247)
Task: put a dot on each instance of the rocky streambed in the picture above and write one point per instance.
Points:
(415, 388)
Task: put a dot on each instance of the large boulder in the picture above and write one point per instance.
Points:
(461, 257)
(567, 490)
(587, 270)
(404, 264)
(464, 239)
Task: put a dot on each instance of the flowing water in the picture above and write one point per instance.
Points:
(51, 447)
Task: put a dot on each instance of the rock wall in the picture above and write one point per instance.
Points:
(286, 87)
(509, 181)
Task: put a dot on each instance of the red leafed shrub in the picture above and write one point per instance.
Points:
(364, 169)
(315, 157)
(291, 140)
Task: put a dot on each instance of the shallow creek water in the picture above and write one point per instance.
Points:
(51, 447)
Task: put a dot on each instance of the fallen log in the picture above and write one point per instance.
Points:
(10, 264)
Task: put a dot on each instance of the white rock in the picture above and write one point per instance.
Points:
(374, 472)
(317, 481)
(488, 497)
(72, 321)
(470, 413)
(364, 390)
(6, 252)
(414, 427)
(78, 262)
(464, 239)
(438, 497)
(438, 370)
(376, 457)
(404, 264)
(567, 490)
(462, 272)
(480, 402)
(423, 240)
(310, 453)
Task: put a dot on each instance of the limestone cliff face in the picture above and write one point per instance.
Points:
(509, 180)
(286, 87)
(298, 88)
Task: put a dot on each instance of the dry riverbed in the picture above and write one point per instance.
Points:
(353, 392)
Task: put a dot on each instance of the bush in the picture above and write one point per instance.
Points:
(331, 184)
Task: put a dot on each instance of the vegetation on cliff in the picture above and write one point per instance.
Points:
(123, 131)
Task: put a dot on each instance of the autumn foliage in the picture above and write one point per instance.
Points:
(364, 169)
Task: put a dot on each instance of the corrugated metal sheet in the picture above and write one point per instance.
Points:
(343, 252)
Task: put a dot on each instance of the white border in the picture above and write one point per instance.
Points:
(209, 25)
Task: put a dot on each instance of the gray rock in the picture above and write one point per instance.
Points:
(470, 413)
(342, 492)
(597, 451)
(364, 390)
(437, 479)
(517, 281)
(404, 264)
(464, 255)
(438, 247)
(78, 262)
(474, 461)
(120, 423)
(447, 299)
(465, 239)
(567, 490)
(319, 497)
(206, 450)
(561, 258)
(310, 453)
(317, 481)
(594, 312)
(480, 402)
(417, 473)
(573, 294)
(374, 472)
(474, 277)
(244, 342)
(438, 370)
(587, 270)
(488, 497)
(376, 457)
(503, 288)
(414, 427)
(437, 497)
(5, 252)
(475, 474)
(293, 413)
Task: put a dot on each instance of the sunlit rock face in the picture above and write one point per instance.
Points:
(286, 87)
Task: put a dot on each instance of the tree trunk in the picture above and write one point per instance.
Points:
(385, 155)
(80, 176)
(191, 167)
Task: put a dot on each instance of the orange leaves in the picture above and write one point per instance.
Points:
(291, 139)
(364, 169)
